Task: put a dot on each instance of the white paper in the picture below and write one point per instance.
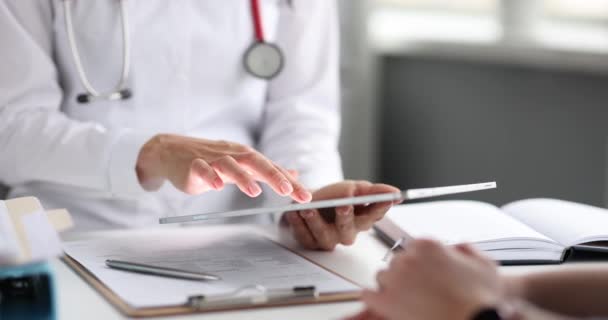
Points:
(466, 221)
(239, 259)
(568, 223)
(42, 238)
(9, 247)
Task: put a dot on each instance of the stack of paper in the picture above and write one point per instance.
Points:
(28, 233)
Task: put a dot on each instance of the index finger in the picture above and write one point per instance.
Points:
(300, 193)
(367, 216)
(264, 170)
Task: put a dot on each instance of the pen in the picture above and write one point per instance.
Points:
(159, 271)
(395, 246)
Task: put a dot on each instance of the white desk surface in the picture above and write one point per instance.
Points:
(77, 300)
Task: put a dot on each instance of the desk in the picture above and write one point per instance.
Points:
(77, 300)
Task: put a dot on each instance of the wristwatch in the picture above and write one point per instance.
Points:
(505, 312)
(488, 314)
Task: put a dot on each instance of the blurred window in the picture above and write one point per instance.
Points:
(394, 22)
(577, 25)
(589, 10)
(455, 6)
(554, 9)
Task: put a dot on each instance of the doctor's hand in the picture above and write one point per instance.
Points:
(195, 166)
(432, 281)
(325, 228)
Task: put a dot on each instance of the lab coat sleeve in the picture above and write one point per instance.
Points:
(302, 117)
(38, 143)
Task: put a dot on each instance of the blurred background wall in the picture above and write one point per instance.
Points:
(443, 92)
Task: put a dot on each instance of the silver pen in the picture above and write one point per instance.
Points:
(159, 271)
(395, 246)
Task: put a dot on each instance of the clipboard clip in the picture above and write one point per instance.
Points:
(260, 295)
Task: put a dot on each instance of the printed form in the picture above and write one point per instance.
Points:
(241, 259)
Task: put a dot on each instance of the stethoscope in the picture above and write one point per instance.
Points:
(262, 59)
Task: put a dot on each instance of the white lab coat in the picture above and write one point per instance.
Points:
(187, 78)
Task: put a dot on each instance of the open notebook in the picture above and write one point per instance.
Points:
(526, 231)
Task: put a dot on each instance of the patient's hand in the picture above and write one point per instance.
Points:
(325, 228)
(431, 281)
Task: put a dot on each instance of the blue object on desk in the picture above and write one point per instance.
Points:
(27, 292)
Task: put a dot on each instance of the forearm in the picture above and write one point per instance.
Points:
(528, 311)
(45, 145)
(577, 291)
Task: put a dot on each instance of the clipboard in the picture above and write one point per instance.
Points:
(182, 309)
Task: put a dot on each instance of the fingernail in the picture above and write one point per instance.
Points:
(343, 211)
(218, 183)
(307, 214)
(285, 187)
(305, 196)
(254, 189)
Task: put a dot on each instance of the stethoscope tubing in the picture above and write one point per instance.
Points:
(120, 92)
(116, 93)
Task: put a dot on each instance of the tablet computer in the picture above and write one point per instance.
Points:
(410, 194)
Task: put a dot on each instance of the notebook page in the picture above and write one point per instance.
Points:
(9, 247)
(569, 223)
(43, 240)
(460, 221)
(240, 259)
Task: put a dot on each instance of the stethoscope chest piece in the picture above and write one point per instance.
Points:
(263, 60)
